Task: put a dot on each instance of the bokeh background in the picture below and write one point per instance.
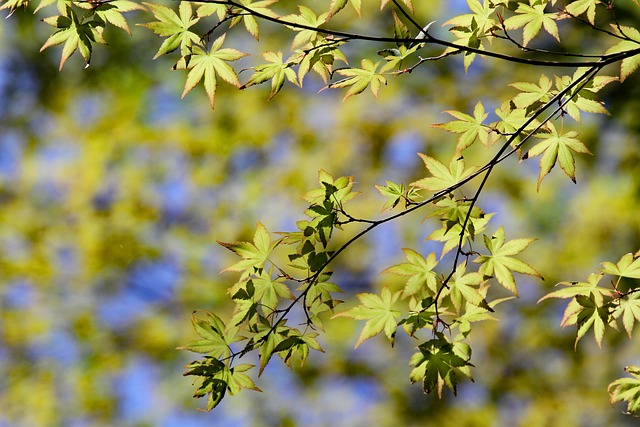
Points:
(113, 192)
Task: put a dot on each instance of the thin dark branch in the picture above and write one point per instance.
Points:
(426, 40)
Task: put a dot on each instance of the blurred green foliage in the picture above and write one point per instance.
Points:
(113, 192)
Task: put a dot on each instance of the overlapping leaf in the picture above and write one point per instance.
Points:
(443, 177)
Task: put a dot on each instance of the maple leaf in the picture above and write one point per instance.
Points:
(249, 20)
(574, 289)
(532, 93)
(76, 34)
(581, 6)
(209, 65)
(470, 128)
(419, 271)
(358, 79)
(533, 19)
(557, 147)
(173, 26)
(628, 266)
(629, 309)
(500, 264)
(379, 313)
(443, 177)
(307, 18)
(628, 65)
(111, 11)
(627, 389)
(255, 254)
(276, 70)
(464, 288)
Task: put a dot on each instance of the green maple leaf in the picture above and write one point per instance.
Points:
(173, 26)
(501, 264)
(629, 309)
(249, 20)
(75, 33)
(276, 70)
(483, 17)
(532, 93)
(465, 288)
(338, 190)
(557, 147)
(628, 266)
(450, 235)
(533, 19)
(627, 390)
(269, 290)
(419, 271)
(358, 79)
(215, 336)
(437, 362)
(337, 5)
(512, 119)
(579, 7)
(379, 313)
(208, 9)
(209, 65)
(307, 18)
(584, 100)
(111, 11)
(408, 3)
(470, 128)
(443, 177)
(592, 314)
(628, 65)
(587, 288)
(255, 254)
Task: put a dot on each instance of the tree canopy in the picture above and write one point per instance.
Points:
(437, 206)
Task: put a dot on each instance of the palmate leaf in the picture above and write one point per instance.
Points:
(443, 177)
(629, 309)
(307, 18)
(450, 235)
(501, 264)
(470, 128)
(573, 289)
(419, 272)
(337, 5)
(464, 288)
(173, 26)
(533, 19)
(215, 336)
(627, 390)
(111, 11)
(559, 148)
(358, 79)
(378, 312)
(579, 7)
(75, 33)
(628, 266)
(276, 70)
(437, 362)
(532, 93)
(512, 119)
(584, 100)
(255, 254)
(269, 290)
(628, 65)
(591, 315)
(250, 22)
(208, 65)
